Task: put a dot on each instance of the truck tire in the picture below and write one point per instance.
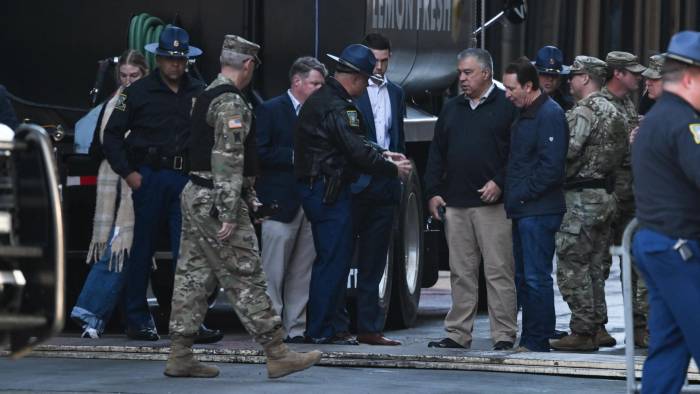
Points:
(407, 256)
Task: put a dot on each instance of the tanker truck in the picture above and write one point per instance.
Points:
(51, 49)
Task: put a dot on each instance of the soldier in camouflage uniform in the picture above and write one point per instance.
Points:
(640, 302)
(596, 147)
(624, 76)
(218, 240)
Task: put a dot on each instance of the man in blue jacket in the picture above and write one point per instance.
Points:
(534, 198)
(287, 243)
(375, 198)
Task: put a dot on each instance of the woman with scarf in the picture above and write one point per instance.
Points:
(113, 227)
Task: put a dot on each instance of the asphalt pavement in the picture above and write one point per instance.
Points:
(33, 375)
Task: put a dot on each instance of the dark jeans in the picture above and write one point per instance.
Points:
(674, 324)
(331, 226)
(156, 203)
(533, 251)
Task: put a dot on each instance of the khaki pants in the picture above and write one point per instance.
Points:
(473, 235)
(288, 254)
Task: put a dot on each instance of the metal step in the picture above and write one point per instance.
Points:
(19, 252)
(14, 321)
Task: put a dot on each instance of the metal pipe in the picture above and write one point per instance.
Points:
(316, 28)
(624, 252)
(483, 23)
(489, 22)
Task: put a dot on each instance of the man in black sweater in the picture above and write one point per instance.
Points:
(465, 176)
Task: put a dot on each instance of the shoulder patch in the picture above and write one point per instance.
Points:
(121, 102)
(695, 131)
(353, 119)
(235, 122)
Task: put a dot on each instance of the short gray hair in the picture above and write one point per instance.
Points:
(482, 56)
(304, 65)
(233, 59)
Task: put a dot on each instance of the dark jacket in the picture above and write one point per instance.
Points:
(329, 138)
(7, 112)
(383, 186)
(275, 122)
(536, 166)
(157, 117)
(470, 147)
(665, 157)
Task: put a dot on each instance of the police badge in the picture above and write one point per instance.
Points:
(353, 119)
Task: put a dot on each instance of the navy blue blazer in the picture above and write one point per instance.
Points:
(397, 141)
(275, 120)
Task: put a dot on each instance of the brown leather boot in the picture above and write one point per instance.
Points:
(281, 361)
(575, 342)
(641, 337)
(604, 339)
(181, 362)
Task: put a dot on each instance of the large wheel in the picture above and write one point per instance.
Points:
(407, 256)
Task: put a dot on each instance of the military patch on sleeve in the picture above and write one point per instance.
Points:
(121, 102)
(235, 123)
(695, 131)
(353, 119)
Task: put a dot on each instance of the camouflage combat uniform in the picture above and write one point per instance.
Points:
(234, 262)
(625, 205)
(596, 146)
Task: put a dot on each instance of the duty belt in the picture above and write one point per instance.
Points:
(166, 162)
(607, 183)
(203, 182)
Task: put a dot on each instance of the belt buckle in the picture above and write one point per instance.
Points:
(177, 162)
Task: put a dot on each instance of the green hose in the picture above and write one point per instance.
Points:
(144, 29)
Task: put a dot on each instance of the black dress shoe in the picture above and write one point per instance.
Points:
(144, 334)
(503, 345)
(446, 343)
(205, 335)
(296, 339)
(559, 334)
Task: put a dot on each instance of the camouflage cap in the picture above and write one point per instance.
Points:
(240, 45)
(656, 64)
(624, 60)
(589, 65)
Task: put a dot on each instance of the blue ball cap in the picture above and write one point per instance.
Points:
(173, 42)
(550, 60)
(685, 47)
(358, 58)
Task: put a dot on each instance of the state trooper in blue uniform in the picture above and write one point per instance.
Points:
(152, 160)
(666, 167)
(330, 151)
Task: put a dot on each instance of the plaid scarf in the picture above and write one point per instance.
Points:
(108, 214)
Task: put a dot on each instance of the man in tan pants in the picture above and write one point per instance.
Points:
(464, 179)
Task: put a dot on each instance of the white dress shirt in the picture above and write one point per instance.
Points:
(381, 109)
(295, 103)
(475, 103)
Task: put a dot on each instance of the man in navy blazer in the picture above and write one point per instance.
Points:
(287, 243)
(375, 199)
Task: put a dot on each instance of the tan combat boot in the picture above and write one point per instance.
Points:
(281, 361)
(575, 342)
(181, 362)
(604, 339)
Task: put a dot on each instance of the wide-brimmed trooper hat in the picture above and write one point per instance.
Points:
(358, 58)
(550, 61)
(173, 42)
(685, 47)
